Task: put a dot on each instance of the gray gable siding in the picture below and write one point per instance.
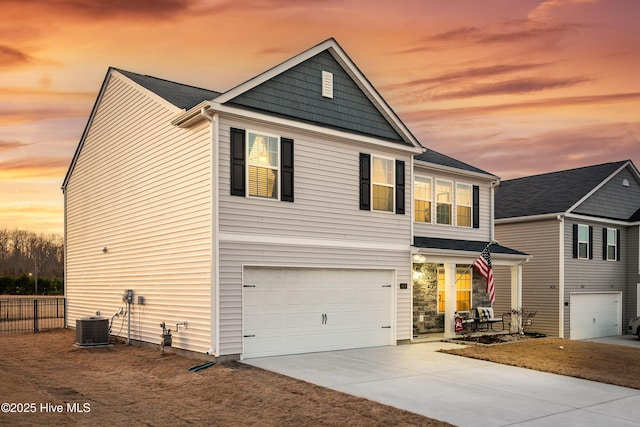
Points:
(297, 93)
(614, 200)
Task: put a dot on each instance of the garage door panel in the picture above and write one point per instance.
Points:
(318, 310)
(595, 315)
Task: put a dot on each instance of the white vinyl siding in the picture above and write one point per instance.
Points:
(142, 189)
(327, 194)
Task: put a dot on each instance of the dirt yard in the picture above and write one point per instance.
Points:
(47, 378)
(606, 363)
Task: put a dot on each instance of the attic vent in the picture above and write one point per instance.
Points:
(327, 84)
(625, 182)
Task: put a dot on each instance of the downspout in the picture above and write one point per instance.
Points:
(64, 257)
(492, 236)
(215, 214)
(561, 277)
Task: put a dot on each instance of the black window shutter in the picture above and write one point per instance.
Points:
(365, 181)
(476, 206)
(604, 243)
(286, 164)
(575, 240)
(237, 162)
(618, 249)
(590, 242)
(399, 187)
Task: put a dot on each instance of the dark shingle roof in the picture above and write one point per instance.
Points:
(462, 245)
(180, 95)
(553, 192)
(440, 159)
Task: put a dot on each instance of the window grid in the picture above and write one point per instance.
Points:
(583, 241)
(463, 205)
(422, 203)
(612, 244)
(263, 163)
(383, 184)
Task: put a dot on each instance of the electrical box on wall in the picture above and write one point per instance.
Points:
(140, 300)
(403, 286)
(128, 296)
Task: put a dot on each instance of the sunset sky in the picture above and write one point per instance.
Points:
(515, 87)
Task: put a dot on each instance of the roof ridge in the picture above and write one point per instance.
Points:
(619, 162)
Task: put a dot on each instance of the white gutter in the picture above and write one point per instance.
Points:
(215, 215)
(193, 116)
(540, 217)
(456, 171)
(492, 227)
(561, 276)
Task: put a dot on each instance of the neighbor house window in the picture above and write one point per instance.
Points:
(383, 184)
(612, 244)
(583, 241)
(262, 162)
(422, 202)
(444, 193)
(463, 290)
(463, 205)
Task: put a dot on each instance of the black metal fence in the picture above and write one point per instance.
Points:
(31, 314)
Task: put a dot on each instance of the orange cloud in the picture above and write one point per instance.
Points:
(10, 57)
(38, 168)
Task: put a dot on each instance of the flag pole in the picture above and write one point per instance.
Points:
(492, 242)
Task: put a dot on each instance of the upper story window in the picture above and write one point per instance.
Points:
(263, 165)
(444, 202)
(611, 244)
(455, 203)
(582, 241)
(383, 183)
(422, 194)
(463, 205)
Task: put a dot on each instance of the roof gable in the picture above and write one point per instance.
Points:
(555, 192)
(295, 81)
(297, 93)
(178, 94)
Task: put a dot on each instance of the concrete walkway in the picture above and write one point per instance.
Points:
(462, 391)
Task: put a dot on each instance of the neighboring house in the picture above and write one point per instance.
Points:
(581, 226)
(273, 218)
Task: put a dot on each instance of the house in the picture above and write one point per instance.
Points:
(581, 226)
(273, 218)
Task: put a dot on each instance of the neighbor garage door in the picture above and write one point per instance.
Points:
(595, 315)
(288, 311)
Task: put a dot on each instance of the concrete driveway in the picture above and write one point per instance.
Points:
(462, 391)
(627, 340)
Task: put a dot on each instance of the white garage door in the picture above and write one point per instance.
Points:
(595, 315)
(288, 311)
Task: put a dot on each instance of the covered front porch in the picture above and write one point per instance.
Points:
(445, 285)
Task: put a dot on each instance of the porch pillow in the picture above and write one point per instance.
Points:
(485, 313)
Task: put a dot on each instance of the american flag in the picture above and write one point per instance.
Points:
(483, 265)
